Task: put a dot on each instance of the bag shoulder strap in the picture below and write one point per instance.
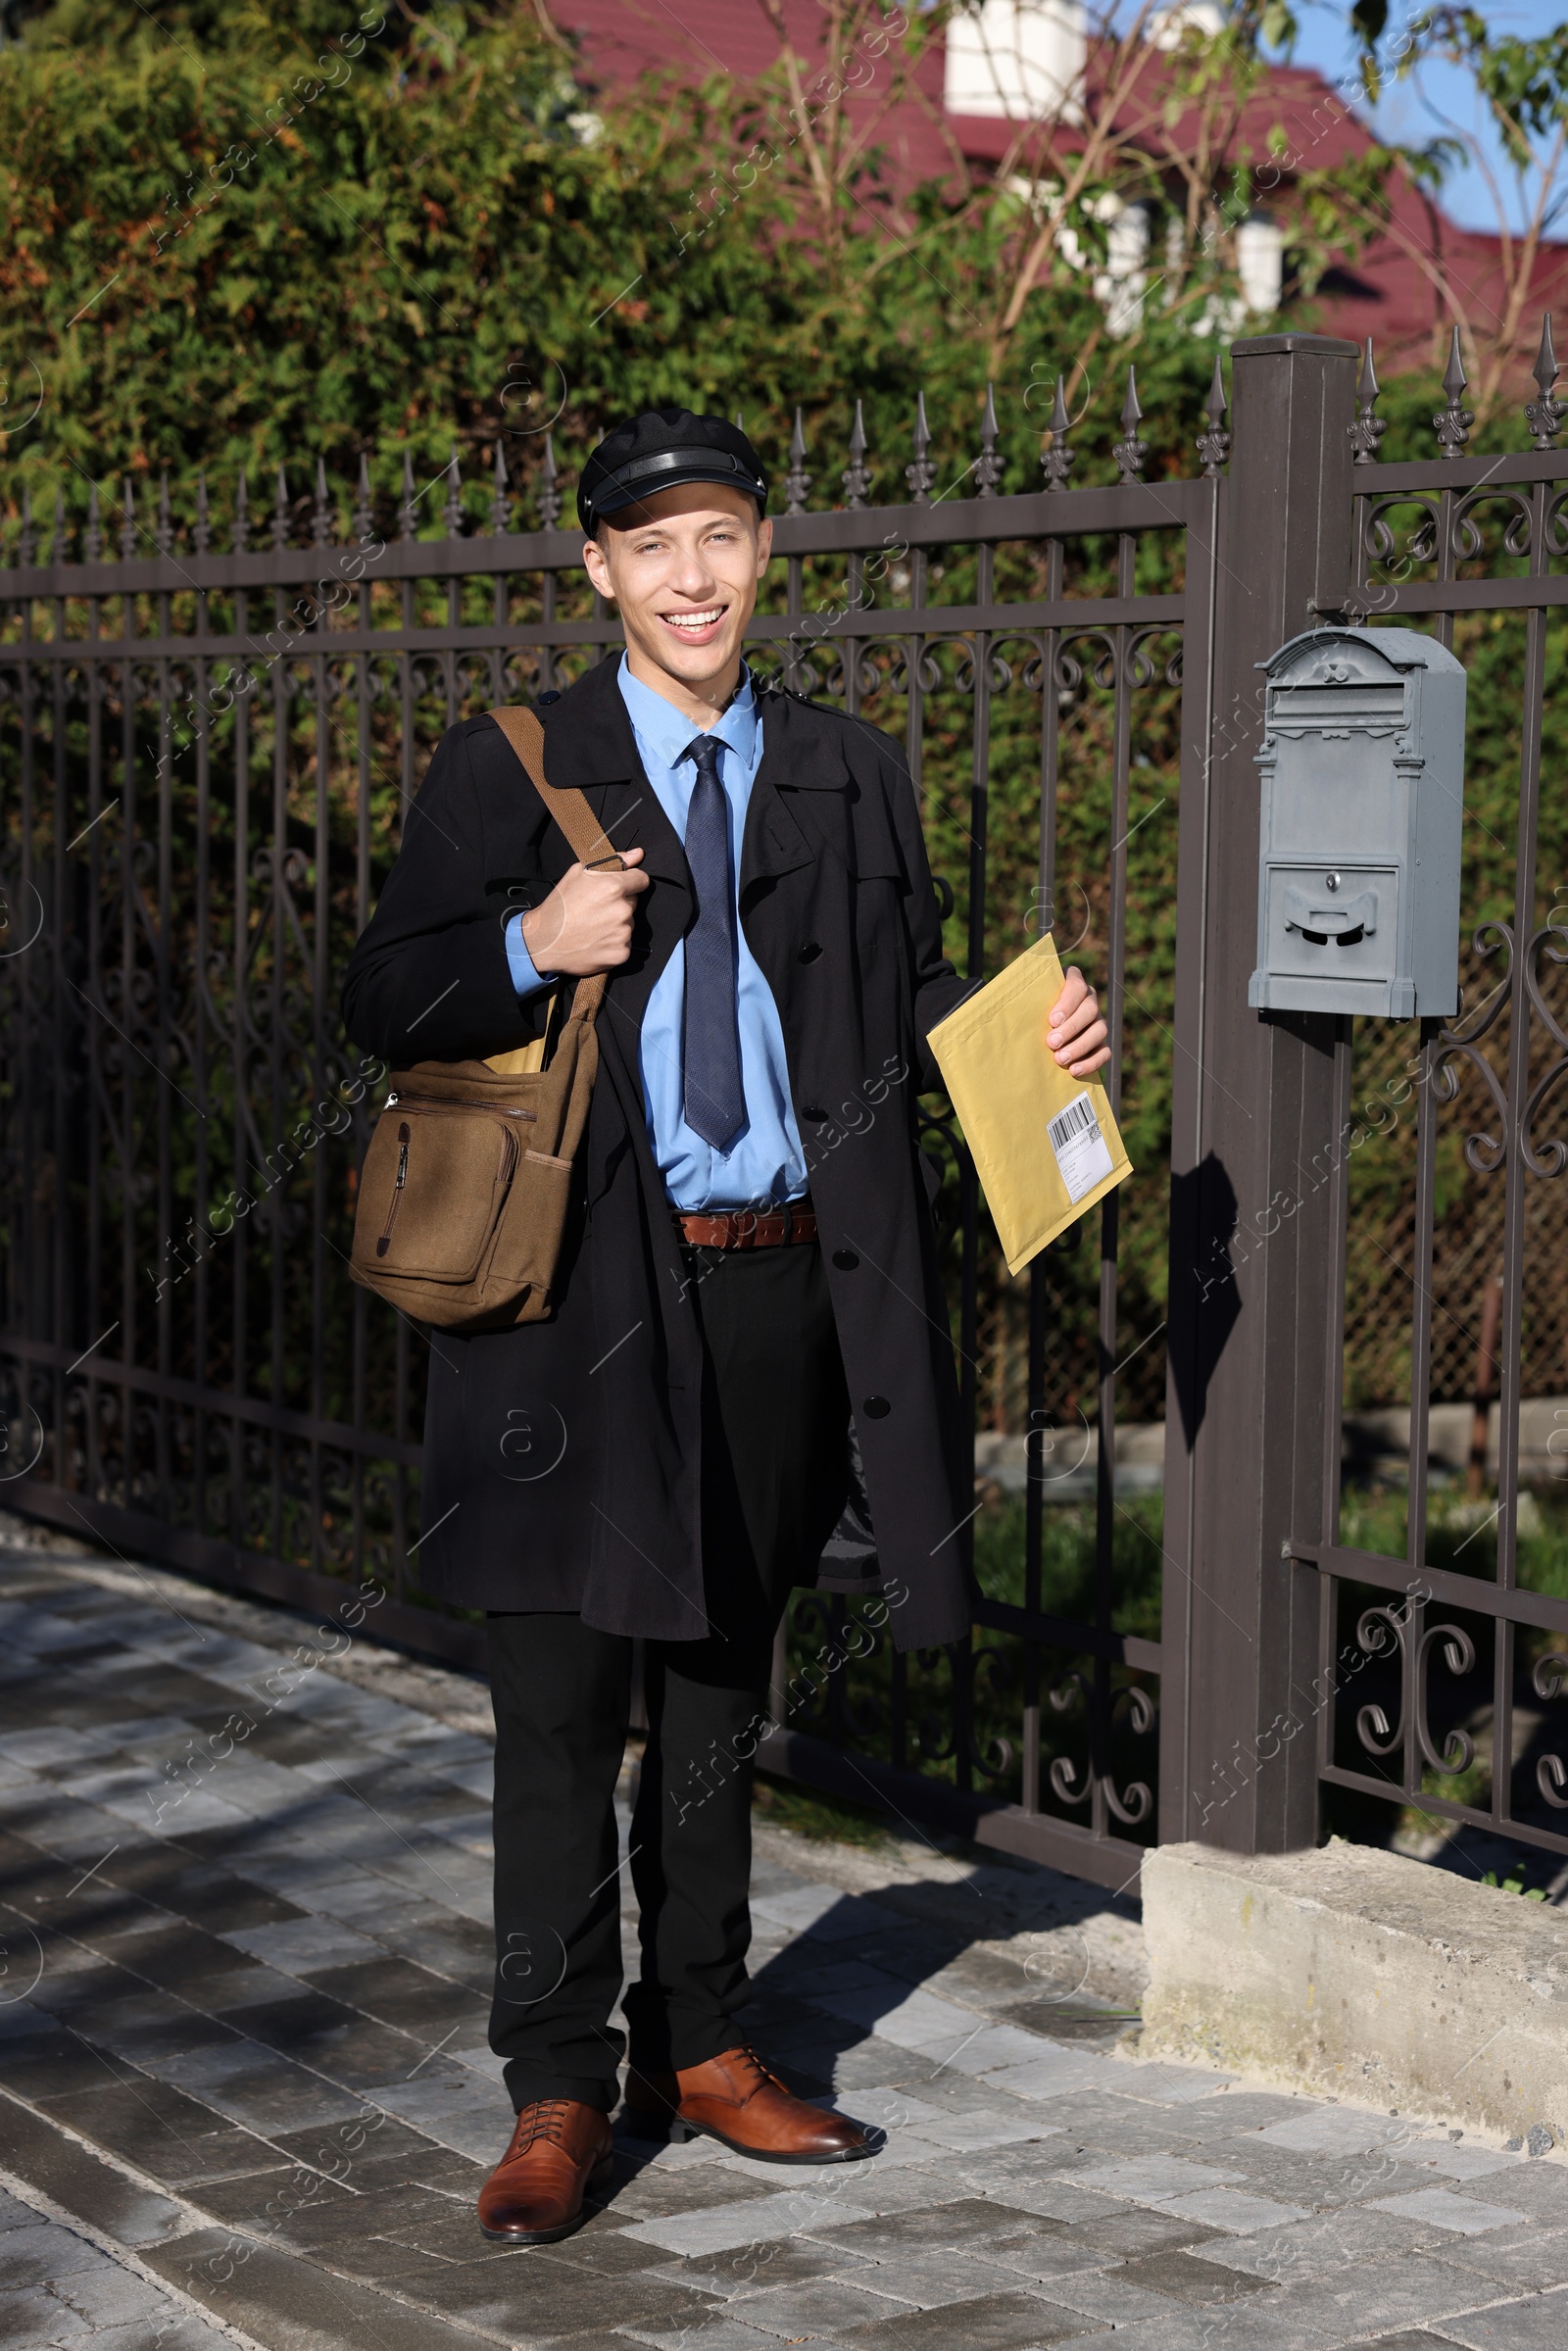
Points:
(585, 835)
(566, 804)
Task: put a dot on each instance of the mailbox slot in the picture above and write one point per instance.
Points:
(1347, 931)
(1321, 706)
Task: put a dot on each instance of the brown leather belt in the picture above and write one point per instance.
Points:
(749, 1228)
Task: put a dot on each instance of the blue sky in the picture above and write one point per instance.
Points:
(1411, 110)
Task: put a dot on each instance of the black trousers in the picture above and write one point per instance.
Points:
(775, 1418)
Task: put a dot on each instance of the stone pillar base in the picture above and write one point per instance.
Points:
(1356, 1973)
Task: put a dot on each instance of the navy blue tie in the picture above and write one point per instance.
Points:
(714, 1101)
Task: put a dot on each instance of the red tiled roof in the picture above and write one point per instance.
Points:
(1385, 291)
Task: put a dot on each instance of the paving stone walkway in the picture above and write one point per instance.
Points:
(245, 2092)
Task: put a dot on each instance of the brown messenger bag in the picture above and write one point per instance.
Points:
(465, 1186)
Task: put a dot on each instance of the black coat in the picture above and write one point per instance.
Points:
(563, 1456)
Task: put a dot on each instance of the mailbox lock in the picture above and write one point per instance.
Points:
(1330, 881)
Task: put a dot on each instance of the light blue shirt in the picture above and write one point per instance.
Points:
(766, 1162)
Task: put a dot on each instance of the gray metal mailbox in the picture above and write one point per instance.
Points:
(1362, 770)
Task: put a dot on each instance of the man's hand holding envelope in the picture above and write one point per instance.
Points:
(1074, 1031)
(1019, 1059)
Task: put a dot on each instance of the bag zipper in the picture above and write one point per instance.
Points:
(431, 1101)
(401, 1178)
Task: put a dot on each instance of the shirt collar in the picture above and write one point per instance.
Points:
(667, 733)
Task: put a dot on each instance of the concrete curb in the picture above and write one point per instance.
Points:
(1354, 1972)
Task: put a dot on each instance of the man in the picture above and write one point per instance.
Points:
(752, 1268)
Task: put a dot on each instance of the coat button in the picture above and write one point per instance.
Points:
(809, 952)
(845, 1259)
(876, 1408)
(812, 1112)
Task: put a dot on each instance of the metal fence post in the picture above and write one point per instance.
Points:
(1252, 1101)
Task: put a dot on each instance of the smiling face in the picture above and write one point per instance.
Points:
(683, 567)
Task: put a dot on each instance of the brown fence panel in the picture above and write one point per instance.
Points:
(205, 755)
(1370, 1287)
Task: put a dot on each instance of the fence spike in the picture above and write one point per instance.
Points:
(240, 543)
(1452, 423)
(321, 511)
(59, 550)
(201, 537)
(1369, 427)
(988, 466)
(128, 521)
(1544, 416)
(922, 473)
(500, 496)
(28, 544)
(1058, 461)
(549, 492)
(280, 511)
(1130, 452)
(856, 480)
(797, 481)
(1215, 446)
(452, 511)
(164, 536)
(92, 545)
(364, 519)
(408, 521)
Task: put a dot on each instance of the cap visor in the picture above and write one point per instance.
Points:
(616, 500)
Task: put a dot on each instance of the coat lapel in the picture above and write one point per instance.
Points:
(776, 841)
(589, 742)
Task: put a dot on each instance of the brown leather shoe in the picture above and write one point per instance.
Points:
(559, 2150)
(735, 2100)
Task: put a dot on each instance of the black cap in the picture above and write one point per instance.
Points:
(660, 450)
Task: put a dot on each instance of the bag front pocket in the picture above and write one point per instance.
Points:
(435, 1180)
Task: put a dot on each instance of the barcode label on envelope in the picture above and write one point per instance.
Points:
(1082, 1158)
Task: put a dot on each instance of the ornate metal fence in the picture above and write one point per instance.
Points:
(1385, 1648)
(1443, 1623)
(206, 755)
(203, 757)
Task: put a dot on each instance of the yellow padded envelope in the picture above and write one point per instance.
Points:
(1045, 1144)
